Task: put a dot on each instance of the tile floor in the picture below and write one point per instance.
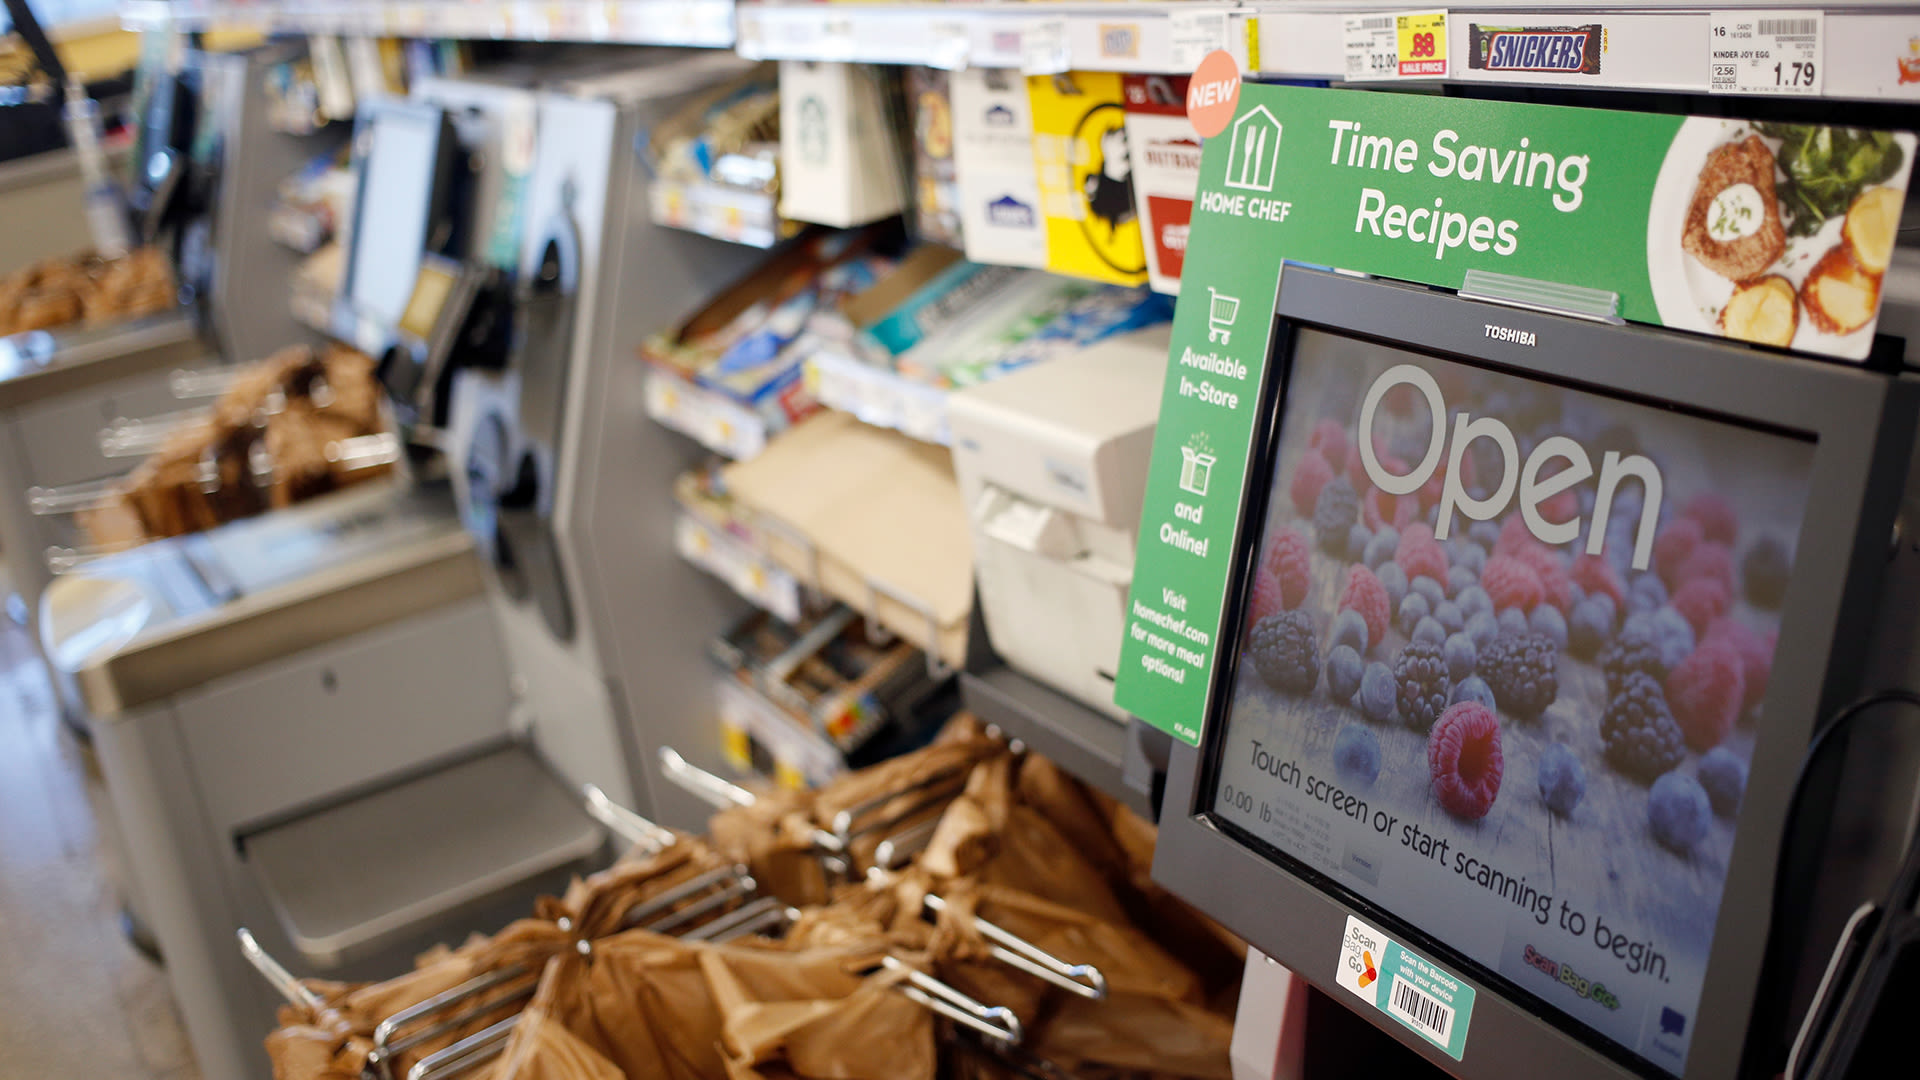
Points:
(76, 1000)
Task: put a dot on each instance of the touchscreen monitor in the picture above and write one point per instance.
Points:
(1506, 642)
(401, 155)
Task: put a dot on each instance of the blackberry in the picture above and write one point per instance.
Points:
(1334, 515)
(1638, 731)
(1284, 651)
(1421, 678)
(1522, 670)
(1634, 652)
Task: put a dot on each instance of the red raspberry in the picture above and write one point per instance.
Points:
(1705, 692)
(1511, 583)
(1514, 536)
(1309, 477)
(1555, 589)
(1671, 548)
(1701, 600)
(1381, 509)
(1715, 516)
(1595, 575)
(1366, 595)
(1710, 559)
(1463, 756)
(1412, 537)
(1331, 440)
(1427, 559)
(1755, 653)
(1288, 560)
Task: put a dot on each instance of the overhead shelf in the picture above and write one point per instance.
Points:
(724, 213)
(1087, 744)
(878, 396)
(1868, 53)
(707, 23)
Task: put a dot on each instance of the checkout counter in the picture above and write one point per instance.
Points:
(309, 727)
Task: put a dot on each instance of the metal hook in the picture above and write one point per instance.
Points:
(277, 976)
(386, 1047)
(1015, 951)
(625, 824)
(995, 1022)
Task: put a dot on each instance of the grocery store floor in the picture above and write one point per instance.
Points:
(76, 1000)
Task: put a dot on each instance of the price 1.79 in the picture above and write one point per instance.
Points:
(1242, 801)
(1797, 73)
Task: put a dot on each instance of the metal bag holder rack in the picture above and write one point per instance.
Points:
(833, 844)
(705, 919)
(1083, 980)
(125, 438)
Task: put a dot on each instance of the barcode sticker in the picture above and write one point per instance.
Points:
(1780, 53)
(1417, 1007)
(1405, 986)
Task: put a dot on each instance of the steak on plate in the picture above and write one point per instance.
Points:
(1745, 162)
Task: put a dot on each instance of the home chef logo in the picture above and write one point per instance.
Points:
(1526, 479)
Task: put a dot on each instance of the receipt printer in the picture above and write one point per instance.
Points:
(1052, 462)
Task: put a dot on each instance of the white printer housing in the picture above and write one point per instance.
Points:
(1052, 462)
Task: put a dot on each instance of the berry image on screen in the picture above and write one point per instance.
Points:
(1506, 643)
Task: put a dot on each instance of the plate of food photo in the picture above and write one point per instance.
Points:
(1778, 234)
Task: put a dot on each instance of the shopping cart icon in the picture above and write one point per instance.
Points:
(1220, 316)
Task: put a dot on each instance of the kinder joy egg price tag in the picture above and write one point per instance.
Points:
(1213, 93)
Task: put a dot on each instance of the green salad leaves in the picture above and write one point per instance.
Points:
(1826, 168)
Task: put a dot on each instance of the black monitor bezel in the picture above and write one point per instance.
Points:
(1862, 427)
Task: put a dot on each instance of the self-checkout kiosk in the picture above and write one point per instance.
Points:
(417, 678)
(1493, 690)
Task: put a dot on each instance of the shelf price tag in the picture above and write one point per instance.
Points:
(838, 40)
(951, 46)
(1403, 45)
(1044, 49)
(1194, 34)
(1766, 52)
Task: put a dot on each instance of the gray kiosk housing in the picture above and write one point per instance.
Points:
(1862, 425)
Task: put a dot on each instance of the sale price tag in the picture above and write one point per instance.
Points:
(1766, 52)
(1403, 45)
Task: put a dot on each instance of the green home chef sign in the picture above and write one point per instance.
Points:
(1764, 232)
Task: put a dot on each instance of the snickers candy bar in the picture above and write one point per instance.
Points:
(1570, 49)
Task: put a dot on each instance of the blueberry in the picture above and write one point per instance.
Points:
(1344, 668)
(1461, 654)
(1356, 755)
(1673, 634)
(1590, 627)
(1546, 619)
(1358, 538)
(1514, 621)
(1349, 628)
(1724, 777)
(1473, 600)
(1460, 579)
(1412, 610)
(1377, 692)
(1678, 811)
(1394, 580)
(1646, 593)
(1472, 556)
(1575, 594)
(1471, 688)
(1381, 547)
(1450, 616)
(1435, 592)
(1429, 629)
(1483, 628)
(1563, 780)
(1484, 533)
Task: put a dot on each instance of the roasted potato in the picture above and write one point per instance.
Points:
(1764, 311)
(1840, 296)
(1872, 223)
